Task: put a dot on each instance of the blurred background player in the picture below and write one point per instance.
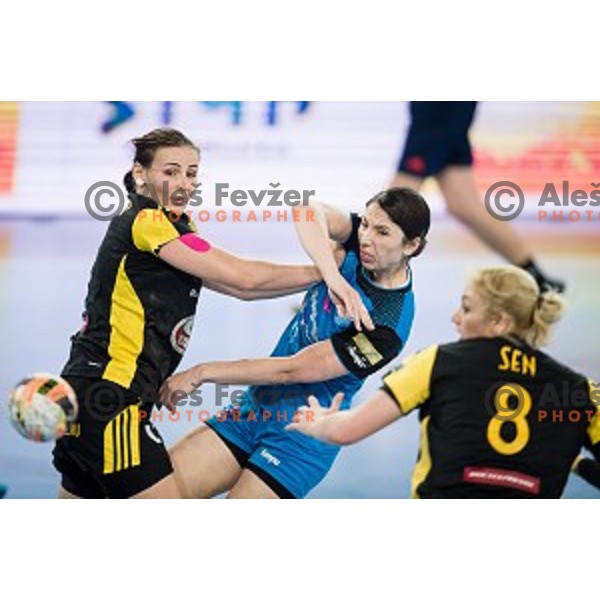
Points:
(499, 418)
(249, 452)
(438, 145)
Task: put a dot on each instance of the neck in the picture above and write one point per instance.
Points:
(391, 278)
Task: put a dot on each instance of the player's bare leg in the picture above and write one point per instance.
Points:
(204, 466)
(64, 495)
(250, 486)
(407, 180)
(166, 488)
(464, 202)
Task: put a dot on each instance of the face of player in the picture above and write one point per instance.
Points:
(173, 176)
(472, 319)
(384, 250)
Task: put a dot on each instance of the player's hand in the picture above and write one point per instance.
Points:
(348, 302)
(308, 418)
(177, 387)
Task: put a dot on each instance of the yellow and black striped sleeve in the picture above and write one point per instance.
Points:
(410, 384)
(152, 229)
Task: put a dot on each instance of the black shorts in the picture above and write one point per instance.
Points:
(113, 450)
(438, 137)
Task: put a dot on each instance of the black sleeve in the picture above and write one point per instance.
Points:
(352, 242)
(364, 352)
(593, 448)
(589, 470)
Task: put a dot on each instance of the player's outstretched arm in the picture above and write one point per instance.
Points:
(349, 426)
(254, 294)
(315, 235)
(234, 275)
(318, 362)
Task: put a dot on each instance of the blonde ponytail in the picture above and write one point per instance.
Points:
(513, 291)
(548, 311)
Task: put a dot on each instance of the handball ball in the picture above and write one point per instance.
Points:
(42, 407)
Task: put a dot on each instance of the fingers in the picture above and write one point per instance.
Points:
(356, 310)
(365, 317)
(313, 403)
(165, 397)
(169, 395)
(352, 310)
(338, 303)
(360, 315)
(337, 402)
(340, 308)
(300, 416)
(359, 312)
(314, 406)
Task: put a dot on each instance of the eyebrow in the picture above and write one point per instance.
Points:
(375, 224)
(176, 164)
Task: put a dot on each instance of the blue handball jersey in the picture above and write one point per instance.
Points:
(361, 352)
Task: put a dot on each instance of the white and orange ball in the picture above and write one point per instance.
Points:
(42, 406)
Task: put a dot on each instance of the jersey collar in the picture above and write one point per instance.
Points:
(405, 287)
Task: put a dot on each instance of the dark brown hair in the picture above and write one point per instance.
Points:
(408, 209)
(147, 145)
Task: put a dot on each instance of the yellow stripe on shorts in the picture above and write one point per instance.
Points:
(122, 441)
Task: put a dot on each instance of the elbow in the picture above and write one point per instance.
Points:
(286, 376)
(245, 295)
(247, 282)
(255, 276)
(290, 371)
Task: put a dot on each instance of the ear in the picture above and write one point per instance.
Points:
(503, 324)
(411, 246)
(138, 171)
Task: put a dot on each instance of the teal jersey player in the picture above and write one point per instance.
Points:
(349, 326)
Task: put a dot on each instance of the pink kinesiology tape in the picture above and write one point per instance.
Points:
(194, 242)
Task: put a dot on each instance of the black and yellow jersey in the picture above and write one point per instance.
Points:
(139, 310)
(498, 419)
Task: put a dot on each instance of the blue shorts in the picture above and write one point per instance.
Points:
(290, 463)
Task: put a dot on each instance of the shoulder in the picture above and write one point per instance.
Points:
(560, 369)
(466, 355)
